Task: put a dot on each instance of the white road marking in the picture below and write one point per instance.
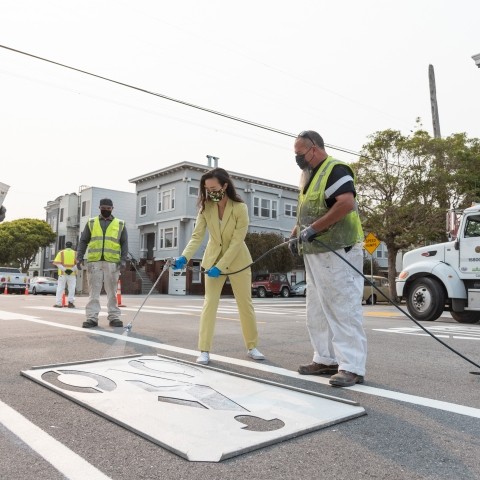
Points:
(416, 400)
(68, 463)
(444, 331)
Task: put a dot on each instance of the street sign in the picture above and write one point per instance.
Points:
(371, 243)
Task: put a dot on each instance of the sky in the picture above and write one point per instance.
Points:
(345, 69)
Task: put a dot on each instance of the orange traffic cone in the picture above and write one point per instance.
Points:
(64, 300)
(26, 289)
(119, 294)
(5, 291)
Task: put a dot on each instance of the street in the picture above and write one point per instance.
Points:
(422, 404)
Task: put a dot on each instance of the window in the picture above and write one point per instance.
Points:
(61, 215)
(196, 274)
(143, 206)
(166, 200)
(193, 191)
(168, 237)
(472, 228)
(85, 207)
(290, 210)
(264, 208)
(61, 242)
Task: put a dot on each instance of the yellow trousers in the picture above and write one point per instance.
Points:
(242, 289)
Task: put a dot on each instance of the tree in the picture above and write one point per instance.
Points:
(280, 260)
(21, 239)
(406, 184)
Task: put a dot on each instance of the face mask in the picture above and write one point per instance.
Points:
(105, 213)
(301, 161)
(216, 196)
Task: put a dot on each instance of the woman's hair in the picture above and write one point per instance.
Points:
(223, 178)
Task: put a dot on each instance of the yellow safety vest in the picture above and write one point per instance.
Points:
(311, 205)
(107, 244)
(68, 258)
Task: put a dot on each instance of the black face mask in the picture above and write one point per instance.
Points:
(105, 213)
(301, 161)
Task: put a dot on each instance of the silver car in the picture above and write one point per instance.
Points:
(299, 289)
(43, 285)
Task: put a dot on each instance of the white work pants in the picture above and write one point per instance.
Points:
(106, 274)
(66, 280)
(334, 309)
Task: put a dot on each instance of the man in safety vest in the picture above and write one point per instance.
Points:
(66, 262)
(329, 232)
(107, 242)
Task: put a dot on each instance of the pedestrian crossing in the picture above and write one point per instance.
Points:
(459, 332)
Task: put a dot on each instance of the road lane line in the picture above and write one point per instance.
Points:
(403, 397)
(68, 463)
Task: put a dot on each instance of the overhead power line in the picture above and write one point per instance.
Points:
(176, 100)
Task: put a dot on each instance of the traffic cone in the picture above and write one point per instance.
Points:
(5, 291)
(26, 289)
(119, 294)
(64, 300)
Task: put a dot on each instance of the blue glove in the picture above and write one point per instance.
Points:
(213, 272)
(308, 234)
(179, 263)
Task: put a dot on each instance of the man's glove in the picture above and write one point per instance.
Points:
(80, 264)
(68, 271)
(293, 245)
(308, 234)
(179, 263)
(213, 272)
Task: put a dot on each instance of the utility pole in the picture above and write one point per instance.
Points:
(433, 101)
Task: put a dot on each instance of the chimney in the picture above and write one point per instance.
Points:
(215, 161)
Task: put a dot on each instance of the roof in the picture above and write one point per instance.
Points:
(205, 168)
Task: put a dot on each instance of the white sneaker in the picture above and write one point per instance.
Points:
(204, 358)
(255, 354)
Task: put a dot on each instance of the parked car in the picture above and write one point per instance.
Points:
(43, 285)
(299, 289)
(382, 284)
(270, 284)
(12, 280)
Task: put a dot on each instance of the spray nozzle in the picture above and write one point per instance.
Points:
(128, 328)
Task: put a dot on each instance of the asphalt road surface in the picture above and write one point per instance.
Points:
(422, 404)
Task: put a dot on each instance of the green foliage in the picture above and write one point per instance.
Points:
(406, 184)
(367, 266)
(21, 239)
(280, 260)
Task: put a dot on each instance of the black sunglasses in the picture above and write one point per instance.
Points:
(305, 134)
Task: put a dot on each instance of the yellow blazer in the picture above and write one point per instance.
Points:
(226, 248)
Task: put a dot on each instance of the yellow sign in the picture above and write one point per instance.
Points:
(371, 243)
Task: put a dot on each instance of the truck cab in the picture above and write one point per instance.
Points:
(445, 276)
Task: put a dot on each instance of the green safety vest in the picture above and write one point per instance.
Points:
(311, 205)
(107, 244)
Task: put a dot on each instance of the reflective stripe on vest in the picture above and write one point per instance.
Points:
(311, 206)
(105, 244)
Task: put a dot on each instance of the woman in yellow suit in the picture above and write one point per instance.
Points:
(225, 216)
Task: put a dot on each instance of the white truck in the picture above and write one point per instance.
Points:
(445, 276)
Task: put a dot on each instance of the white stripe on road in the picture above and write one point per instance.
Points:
(379, 392)
(68, 463)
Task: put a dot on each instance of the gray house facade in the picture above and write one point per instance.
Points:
(167, 210)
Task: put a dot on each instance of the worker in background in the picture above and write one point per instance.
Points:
(107, 242)
(66, 262)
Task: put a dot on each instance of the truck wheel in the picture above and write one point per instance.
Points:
(34, 290)
(371, 300)
(285, 292)
(466, 317)
(261, 292)
(426, 299)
